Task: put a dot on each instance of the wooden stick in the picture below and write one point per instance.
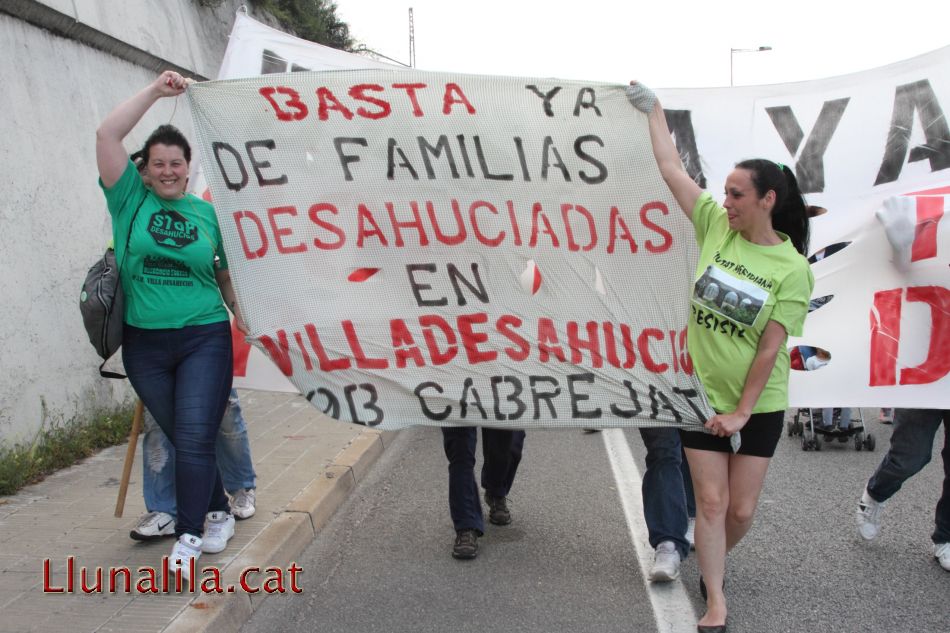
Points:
(129, 457)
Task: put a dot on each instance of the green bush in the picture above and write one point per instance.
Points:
(60, 446)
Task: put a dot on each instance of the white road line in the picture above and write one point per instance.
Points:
(671, 606)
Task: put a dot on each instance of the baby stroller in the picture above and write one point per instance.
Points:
(803, 425)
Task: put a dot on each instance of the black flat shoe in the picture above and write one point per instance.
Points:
(718, 628)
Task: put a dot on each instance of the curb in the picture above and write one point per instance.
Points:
(285, 538)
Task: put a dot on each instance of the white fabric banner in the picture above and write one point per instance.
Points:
(873, 148)
(257, 49)
(863, 145)
(415, 247)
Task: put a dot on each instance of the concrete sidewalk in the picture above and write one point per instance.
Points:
(306, 464)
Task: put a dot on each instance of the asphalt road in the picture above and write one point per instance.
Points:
(569, 561)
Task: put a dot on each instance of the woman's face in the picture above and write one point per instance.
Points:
(167, 170)
(745, 209)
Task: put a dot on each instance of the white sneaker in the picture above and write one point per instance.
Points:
(219, 528)
(242, 503)
(666, 563)
(691, 532)
(869, 516)
(942, 554)
(187, 549)
(153, 526)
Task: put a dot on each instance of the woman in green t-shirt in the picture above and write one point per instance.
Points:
(751, 291)
(176, 344)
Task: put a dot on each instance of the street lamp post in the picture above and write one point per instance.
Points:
(733, 51)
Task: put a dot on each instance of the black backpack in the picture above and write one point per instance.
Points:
(102, 304)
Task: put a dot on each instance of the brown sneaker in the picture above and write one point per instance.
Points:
(498, 512)
(466, 544)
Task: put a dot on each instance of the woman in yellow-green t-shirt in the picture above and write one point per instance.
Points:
(751, 291)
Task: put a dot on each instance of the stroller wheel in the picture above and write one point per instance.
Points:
(806, 445)
(858, 441)
(816, 444)
(869, 442)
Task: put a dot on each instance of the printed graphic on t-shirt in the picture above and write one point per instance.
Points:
(164, 271)
(165, 267)
(731, 297)
(170, 228)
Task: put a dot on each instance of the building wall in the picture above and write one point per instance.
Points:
(66, 64)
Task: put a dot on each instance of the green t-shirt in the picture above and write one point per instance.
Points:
(740, 286)
(168, 275)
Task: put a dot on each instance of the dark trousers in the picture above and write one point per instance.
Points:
(667, 491)
(501, 451)
(183, 376)
(911, 447)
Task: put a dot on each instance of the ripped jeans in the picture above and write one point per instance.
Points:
(158, 459)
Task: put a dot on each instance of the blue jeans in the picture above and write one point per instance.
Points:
(668, 499)
(501, 451)
(844, 422)
(183, 376)
(911, 447)
(158, 459)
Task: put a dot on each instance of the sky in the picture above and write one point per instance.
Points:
(672, 44)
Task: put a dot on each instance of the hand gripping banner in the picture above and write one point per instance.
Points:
(444, 249)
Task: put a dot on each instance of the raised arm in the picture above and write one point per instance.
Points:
(111, 156)
(683, 188)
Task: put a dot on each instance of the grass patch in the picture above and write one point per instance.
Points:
(61, 446)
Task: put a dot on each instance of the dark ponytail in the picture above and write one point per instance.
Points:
(790, 214)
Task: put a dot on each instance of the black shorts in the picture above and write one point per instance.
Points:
(759, 436)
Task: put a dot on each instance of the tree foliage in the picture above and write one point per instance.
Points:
(314, 20)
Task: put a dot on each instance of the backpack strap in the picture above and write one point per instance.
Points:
(128, 238)
(105, 373)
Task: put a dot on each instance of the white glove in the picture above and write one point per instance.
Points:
(642, 98)
(899, 217)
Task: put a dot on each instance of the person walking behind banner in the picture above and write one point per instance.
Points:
(669, 506)
(911, 447)
(501, 451)
(176, 347)
(668, 503)
(233, 453)
(752, 276)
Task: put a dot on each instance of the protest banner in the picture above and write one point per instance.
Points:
(864, 145)
(430, 248)
(873, 148)
(257, 49)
